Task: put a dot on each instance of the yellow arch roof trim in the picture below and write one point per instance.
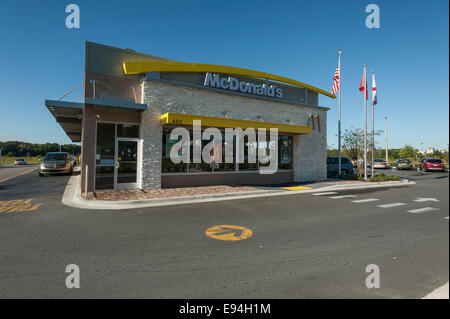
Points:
(137, 67)
(209, 121)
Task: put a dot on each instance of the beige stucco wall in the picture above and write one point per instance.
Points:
(309, 151)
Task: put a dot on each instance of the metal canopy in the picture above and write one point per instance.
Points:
(68, 115)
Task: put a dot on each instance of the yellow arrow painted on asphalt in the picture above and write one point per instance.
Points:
(228, 232)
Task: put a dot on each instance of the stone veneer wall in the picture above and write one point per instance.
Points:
(309, 151)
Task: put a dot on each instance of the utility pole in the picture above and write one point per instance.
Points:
(386, 138)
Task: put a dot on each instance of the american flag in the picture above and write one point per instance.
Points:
(336, 83)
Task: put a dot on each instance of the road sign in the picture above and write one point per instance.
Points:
(228, 232)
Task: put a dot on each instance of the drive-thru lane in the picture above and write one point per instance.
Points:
(302, 246)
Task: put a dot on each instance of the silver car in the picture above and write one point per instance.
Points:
(56, 163)
(20, 161)
(403, 163)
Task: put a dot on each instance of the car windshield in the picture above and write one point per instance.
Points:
(20, 159)
(55, 157)
(434, 161)
(379, 160)
(405, 161)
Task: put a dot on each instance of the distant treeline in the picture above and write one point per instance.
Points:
(16, 148)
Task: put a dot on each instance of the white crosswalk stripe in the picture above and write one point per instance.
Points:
(322, 194)
(391, 205)
(423, 210)
(343, 196)
(359, 201)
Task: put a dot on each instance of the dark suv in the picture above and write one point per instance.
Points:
(333, 166)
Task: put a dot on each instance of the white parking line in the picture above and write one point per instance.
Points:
(446, 217)
(391, 205)
(425, 199)
(364, 200)
(423, 210)
(343, 196)
(321, 194)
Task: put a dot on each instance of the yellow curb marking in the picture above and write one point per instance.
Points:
(8, 178)
(296, 188)
(228, 232)
(18, 205)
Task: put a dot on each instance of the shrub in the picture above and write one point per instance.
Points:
(384, 178)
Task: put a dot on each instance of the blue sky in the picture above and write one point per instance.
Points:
(41, 59)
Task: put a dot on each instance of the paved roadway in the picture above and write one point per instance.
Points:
(8, 171)
(303, 245)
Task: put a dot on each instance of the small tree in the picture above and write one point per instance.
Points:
(354, 145)
(407, 151)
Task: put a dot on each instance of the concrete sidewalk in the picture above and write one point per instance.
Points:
(72, 194)
(439, 293)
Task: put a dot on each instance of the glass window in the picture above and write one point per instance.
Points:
(284, 152)
(167, 166)
(203, 166)
(230, 142)
(127, 130)
(105, 144)
(250, 156)
(54, 157)
(104, 178)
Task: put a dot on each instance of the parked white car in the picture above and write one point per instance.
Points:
(379, 163)
(20, 161)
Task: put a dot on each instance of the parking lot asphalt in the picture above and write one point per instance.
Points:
(301, 246)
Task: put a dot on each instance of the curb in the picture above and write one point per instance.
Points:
(72, 196)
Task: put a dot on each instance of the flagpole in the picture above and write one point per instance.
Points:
(365, 122)
(339, 112)
(373, 131)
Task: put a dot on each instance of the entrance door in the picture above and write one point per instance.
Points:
(126, 163)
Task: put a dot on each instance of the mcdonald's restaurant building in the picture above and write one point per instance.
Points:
(132, 101)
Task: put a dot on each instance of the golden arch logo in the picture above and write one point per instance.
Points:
(314, 122)
(228, 232)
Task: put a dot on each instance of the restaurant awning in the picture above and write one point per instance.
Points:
(208, 121)
(68, 115)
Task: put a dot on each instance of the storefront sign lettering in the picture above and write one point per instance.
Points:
(233, 84)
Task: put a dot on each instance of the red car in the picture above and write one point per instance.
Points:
(431, 164)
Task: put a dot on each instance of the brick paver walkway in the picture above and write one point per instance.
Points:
(136, 194)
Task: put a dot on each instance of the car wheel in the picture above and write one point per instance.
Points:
(40, 174)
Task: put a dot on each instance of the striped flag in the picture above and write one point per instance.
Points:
(363, 85)
(336, 83)
(374, 90)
